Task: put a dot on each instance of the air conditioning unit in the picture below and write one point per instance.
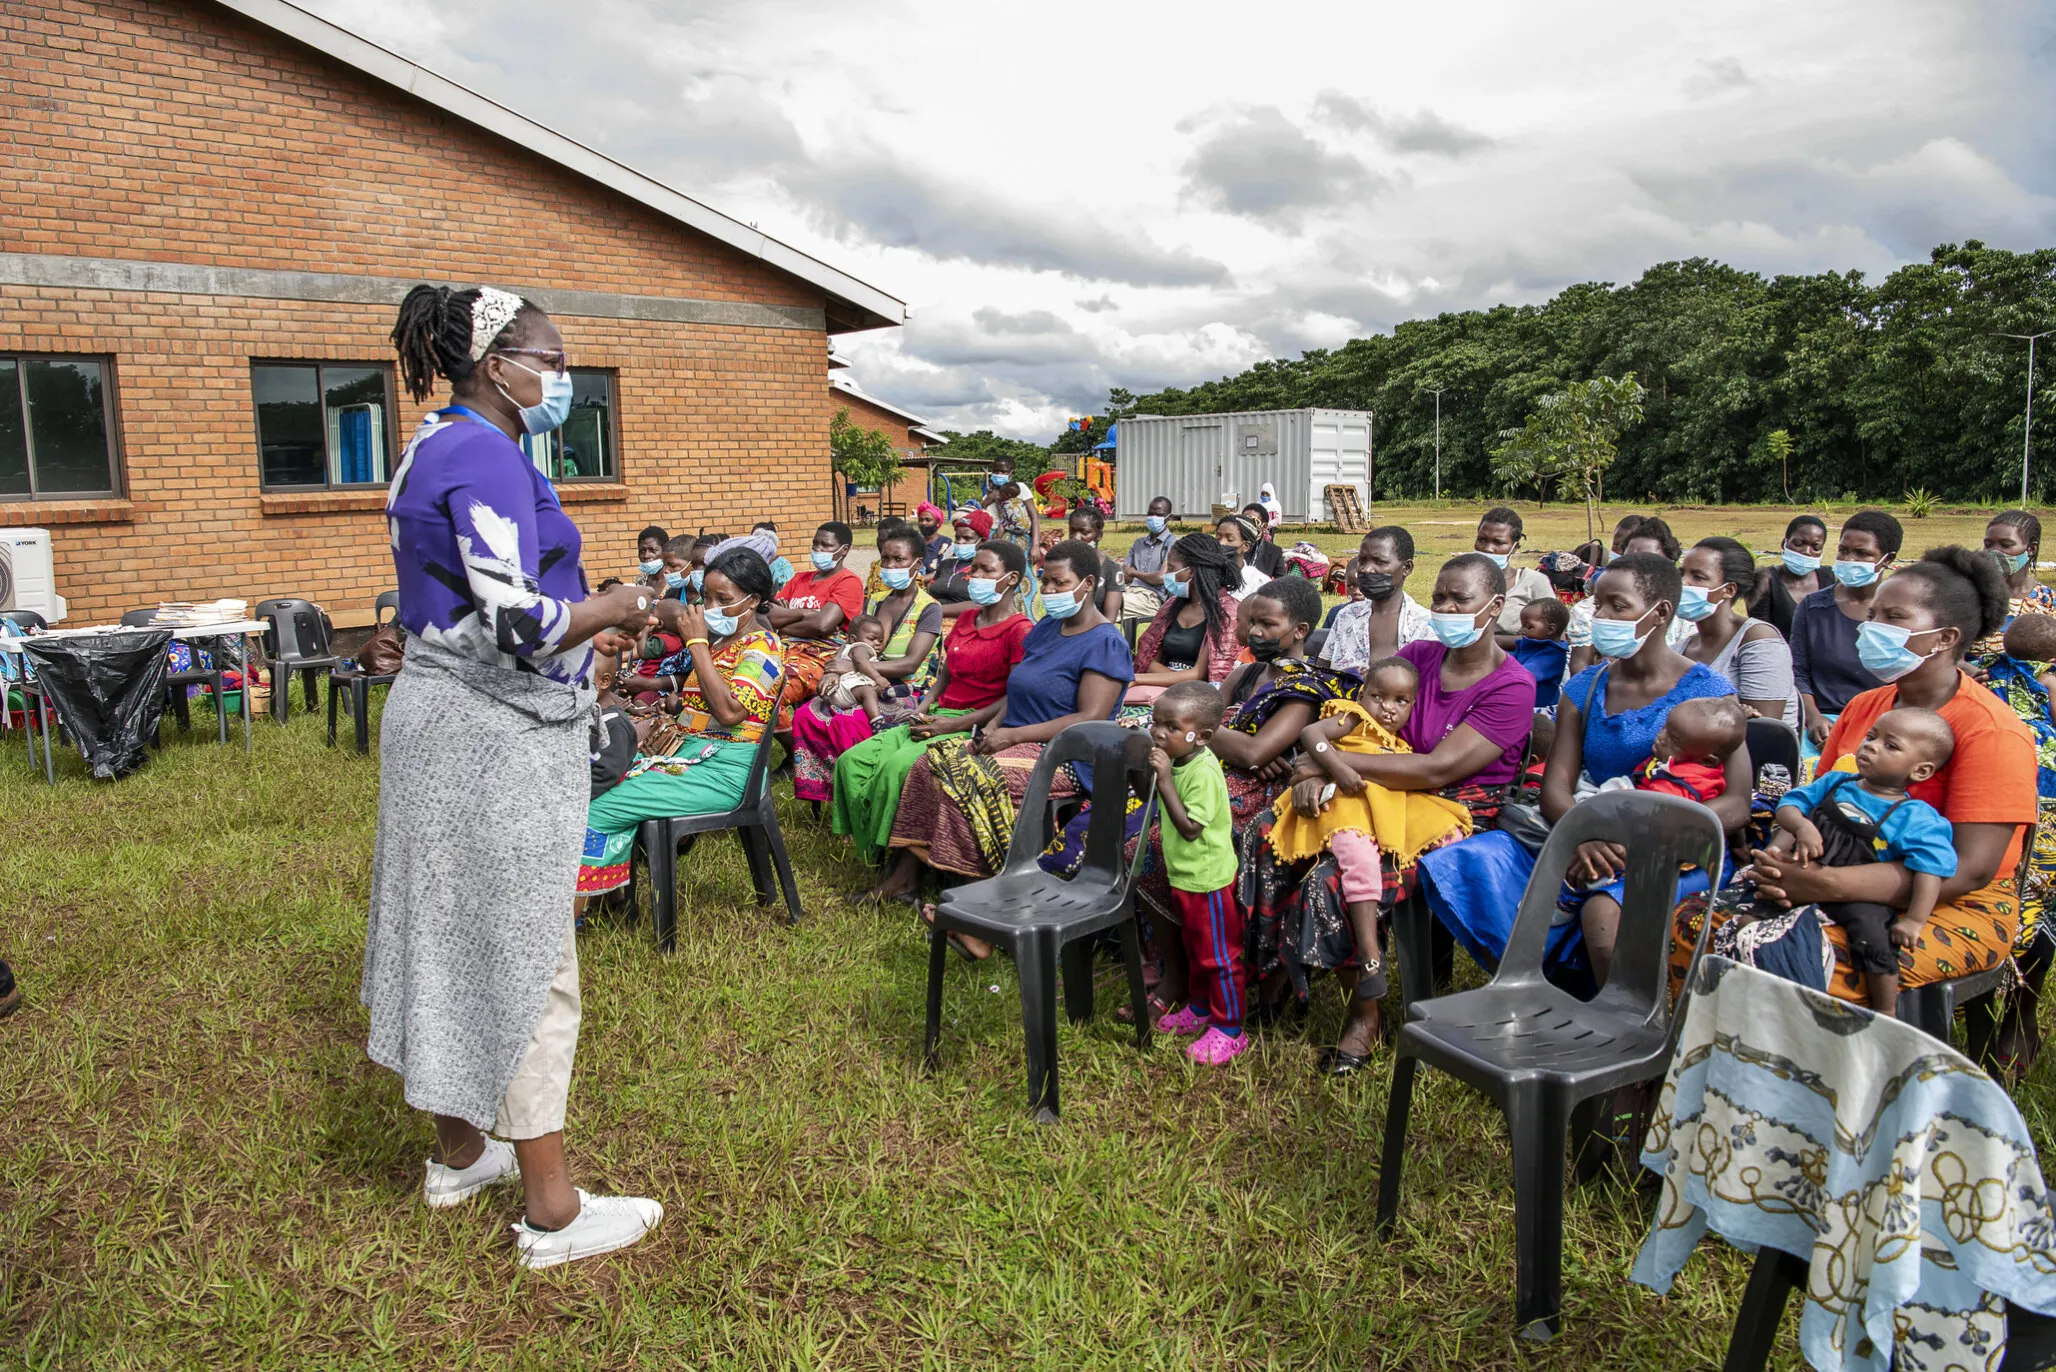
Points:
(28, 574)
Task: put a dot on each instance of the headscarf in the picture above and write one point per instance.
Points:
(979, 520)
(929, 508)
(764, 545)
(1251, 535)
(1267, 496)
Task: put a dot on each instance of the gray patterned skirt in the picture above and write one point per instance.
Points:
(483, 777)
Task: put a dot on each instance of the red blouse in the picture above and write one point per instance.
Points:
(980, 660)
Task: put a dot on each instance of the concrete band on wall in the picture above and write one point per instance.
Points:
(186, 278)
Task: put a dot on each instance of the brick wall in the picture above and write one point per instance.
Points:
(869, 416)
(180, 132)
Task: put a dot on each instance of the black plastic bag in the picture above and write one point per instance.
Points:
(109, 692)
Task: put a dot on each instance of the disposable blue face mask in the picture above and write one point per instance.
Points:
(964, 551)
(823, 562)
(898, 578)
(983, 590)
(674, 580)
(720, 624)
(1799, 564)
(1882, 650)
(1693, 604)
(1616, 638)
(650, 568)
(1156, 524)
(1060, 604)
(699, 578)
(1456, 630)
(1500, 560)
(1173, 587)
(1854, 574)
(552, 410)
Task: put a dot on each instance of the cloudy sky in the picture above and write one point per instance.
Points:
(1073, 196)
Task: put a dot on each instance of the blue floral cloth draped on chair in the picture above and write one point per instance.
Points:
(1898, 1171)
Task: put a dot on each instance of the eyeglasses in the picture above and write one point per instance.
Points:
(557, 362)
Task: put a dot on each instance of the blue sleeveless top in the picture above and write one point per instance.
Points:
(1616, 744)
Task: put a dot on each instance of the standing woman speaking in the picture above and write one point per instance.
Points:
(470, 962)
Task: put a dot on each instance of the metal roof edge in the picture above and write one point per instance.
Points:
(851, 388)
(417, 80)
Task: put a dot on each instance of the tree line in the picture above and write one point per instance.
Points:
(1806, 388)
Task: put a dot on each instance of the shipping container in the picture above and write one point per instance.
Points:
(1204, 460)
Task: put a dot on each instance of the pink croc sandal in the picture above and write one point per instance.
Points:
(1185, 1022)
(1214, 1048)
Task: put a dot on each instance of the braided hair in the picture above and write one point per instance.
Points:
(1209, 566)
(433, 336)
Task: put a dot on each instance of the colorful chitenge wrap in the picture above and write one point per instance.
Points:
(869, 776)
(822, 734)
(2018, 684)
(957, 808)
(806, 660)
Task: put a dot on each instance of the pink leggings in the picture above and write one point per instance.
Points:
(1356, 860)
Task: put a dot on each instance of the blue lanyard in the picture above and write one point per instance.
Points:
(467, 410)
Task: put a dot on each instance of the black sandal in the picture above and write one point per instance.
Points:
(1333, 1062)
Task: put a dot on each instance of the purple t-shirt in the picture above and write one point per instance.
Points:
(1501, 707)
(487, 560)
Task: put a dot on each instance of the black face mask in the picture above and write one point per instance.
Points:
(1265, 649)
(1376, 585)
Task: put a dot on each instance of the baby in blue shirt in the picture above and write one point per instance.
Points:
(1542, 649)
(1842, 821)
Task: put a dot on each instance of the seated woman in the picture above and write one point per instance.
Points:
(956, 811)
(1192, 637)
(1920, 623)
(968, 692)
(1384, 618)
(1468, 730)
(949, 585)
(1780, 589)
(2014, 539)
(809, 616)
(1649, 535)
(725, 704)
(1719, 574)
(1826, 668)
(1607, 720)
(1266, 556)
(913, 627)
(1239, 539)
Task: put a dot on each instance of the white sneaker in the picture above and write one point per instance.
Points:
(447, 1186)
(604, 1224)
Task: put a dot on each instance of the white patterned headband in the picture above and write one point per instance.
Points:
(491, 312)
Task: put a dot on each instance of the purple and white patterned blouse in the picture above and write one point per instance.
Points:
(488, 561)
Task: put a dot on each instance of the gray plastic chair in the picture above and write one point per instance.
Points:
(357, 683)
(1540, 1053)
(1043, 918)
(1773, 741)
(298, 640)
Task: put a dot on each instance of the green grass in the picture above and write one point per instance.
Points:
(199, 1168)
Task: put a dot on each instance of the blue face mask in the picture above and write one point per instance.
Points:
(1173, 587)
(898, 578)
(1882, 650)
(650, 568)
(1500, 560)
(674, 580)
(1156, 524)
(982, 590)
(1799, 564)
(722, 625)
(1855, 574)
(1456, 630)
(1060, 604)
(555, 406)
(964, 551)
(2014, 563)
(823, 562)
(699, 578)
(1616, 638)
(1693, 604)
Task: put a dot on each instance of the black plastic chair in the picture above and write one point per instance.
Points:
(299, 640)
(358, 683)
(1044, 919)
(1544, 1057)
(175, 683)
(755, 822)
(1773, 741)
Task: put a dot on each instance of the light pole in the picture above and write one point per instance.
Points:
(2027, 437)
(1438, 438)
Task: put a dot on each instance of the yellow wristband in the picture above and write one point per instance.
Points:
(689, 642)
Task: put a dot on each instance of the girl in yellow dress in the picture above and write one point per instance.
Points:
(1354, 819)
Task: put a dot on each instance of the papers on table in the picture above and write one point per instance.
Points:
(176, 614)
